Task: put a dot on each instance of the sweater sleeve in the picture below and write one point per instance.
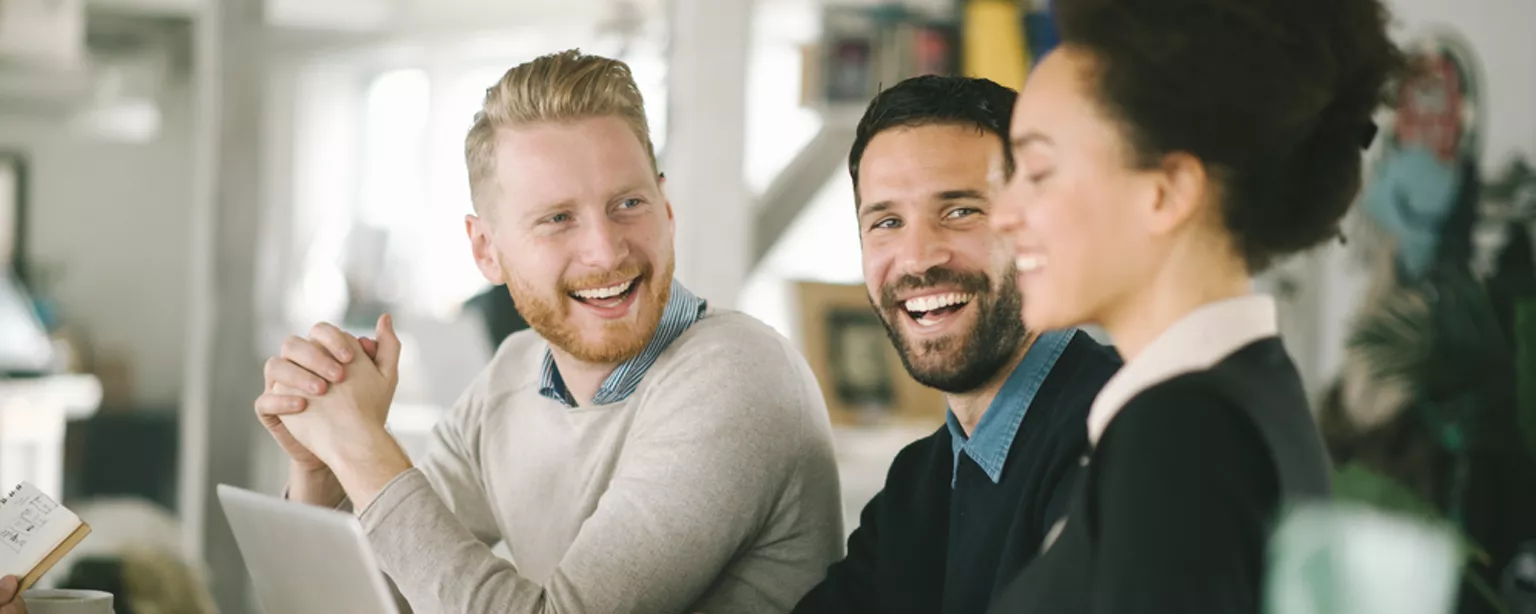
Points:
(851, 583)
(888, 547)
(451, 465)
(710, 458)
(1184, 496)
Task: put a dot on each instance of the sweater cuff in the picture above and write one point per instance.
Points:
(397, 494)
(345, 505)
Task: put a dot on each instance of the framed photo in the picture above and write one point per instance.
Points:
(860, 372)
(13, 192)
(857, 362)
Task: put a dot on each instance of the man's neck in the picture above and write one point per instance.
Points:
(970, 406)
(582, 379)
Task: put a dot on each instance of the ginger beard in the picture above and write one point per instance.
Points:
(584, 336)
(963, 361)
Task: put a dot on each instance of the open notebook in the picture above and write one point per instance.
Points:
(35, 532)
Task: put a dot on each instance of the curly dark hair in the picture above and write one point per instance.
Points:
(932, 99)
(1275, 97)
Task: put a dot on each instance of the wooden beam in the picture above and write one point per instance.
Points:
(804, 176)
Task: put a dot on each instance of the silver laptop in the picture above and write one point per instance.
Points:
(305, 559)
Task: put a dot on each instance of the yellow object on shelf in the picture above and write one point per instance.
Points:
(993, 39)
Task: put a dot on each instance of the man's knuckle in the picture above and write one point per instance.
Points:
(293, 345)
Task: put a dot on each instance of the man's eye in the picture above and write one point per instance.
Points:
(960, 212)
(630, 203)
(889, 222)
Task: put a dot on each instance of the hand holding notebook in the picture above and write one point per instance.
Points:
(35, 532)
(10, 595)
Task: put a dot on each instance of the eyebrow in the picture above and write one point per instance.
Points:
(545, 209)
(945, 195)
(539, 211)
(863, 209)
(961, 195)
(1028, 138)
(627, 189)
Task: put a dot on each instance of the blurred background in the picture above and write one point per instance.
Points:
(185, 182)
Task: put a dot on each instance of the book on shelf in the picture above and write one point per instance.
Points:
(848, 54)
(863, 50)
(994, 42)
(1039, 32)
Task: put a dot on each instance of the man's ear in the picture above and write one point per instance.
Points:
(1182, 190)
(661, 183)
(482, 243)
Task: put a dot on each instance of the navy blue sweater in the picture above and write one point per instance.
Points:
(924, 547)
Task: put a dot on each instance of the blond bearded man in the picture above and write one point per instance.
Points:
(637, 450)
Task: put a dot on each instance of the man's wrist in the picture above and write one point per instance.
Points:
(315, 486)
(369, 464)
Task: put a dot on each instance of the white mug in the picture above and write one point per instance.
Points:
(1348, 557)
(67, 601)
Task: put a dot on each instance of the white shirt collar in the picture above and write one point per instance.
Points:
(1195, 342)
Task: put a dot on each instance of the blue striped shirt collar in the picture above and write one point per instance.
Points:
(993, 438)
(682, 310)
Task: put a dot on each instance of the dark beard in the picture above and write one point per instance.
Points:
(986, 350)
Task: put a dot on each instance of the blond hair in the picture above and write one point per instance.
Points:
(563, 86)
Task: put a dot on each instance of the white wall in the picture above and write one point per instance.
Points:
(111, 218)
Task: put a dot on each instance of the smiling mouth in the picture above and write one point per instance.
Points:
(934, 308)
(606, 296)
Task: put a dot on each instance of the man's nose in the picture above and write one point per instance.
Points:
(922, 248)
(603, 245)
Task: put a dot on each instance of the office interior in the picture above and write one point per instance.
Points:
(184, 183)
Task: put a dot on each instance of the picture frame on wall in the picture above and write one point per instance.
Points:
(861, 375)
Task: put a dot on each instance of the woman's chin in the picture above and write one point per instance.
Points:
(1039, 317)
(1043, 314)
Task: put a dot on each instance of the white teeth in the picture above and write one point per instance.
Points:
(1029, 262)
(602, 293)
(936, 301)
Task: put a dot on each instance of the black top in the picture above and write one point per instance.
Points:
(1175, 508)
(924, 547)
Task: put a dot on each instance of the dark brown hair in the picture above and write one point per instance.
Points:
(932, 99)
(1275, 97)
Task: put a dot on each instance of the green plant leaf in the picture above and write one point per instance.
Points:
(1358, 483)
(1441, 336)
(1525, 369)
(1395, 335)
(1355, 482)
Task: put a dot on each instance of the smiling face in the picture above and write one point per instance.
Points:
(1085, 223)
(581, 233)
(940, 279)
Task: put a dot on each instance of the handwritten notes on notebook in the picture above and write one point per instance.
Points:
(35, 531)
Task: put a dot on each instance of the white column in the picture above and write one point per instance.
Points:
(704, 158)
(223, 371)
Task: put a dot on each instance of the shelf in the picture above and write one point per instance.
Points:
(33, 415)
(77, 395)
